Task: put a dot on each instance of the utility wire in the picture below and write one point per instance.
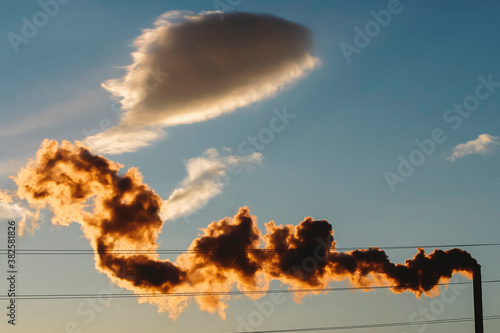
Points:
(215, 293)
(394, 324)
(159, 251)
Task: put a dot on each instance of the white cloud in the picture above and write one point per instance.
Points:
(482, 145)
(123, 139)
(206, 176)
(10, 210)
(193, 67)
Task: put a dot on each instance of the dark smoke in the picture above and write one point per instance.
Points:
(124, 215)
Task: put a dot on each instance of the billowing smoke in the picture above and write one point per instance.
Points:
(193, 67)
(119, 212)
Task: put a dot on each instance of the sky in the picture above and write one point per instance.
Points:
(391, 134)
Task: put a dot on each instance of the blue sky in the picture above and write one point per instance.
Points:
(353, 120)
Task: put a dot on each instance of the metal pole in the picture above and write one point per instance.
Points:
(478, 300)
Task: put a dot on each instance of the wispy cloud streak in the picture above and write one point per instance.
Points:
(206, 176)
(484, 144)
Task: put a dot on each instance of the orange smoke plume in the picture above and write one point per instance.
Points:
(119, 212)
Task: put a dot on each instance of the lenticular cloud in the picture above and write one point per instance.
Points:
(193, 67)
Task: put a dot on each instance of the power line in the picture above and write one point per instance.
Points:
(136, 251)
(214, 293)
(393, 324)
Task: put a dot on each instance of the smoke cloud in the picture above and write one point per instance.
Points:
(120, 212)
(193, 67)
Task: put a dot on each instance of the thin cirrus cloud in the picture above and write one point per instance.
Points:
(484, 144)
(193, 67)
(84, 102)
